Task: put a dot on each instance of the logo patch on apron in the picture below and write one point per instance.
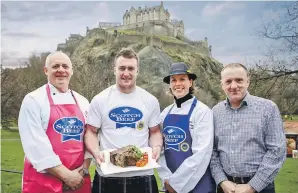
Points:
(70, 128)
(174, 136)
(184, 146)
(125, 117)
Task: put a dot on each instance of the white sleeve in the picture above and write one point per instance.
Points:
(155, 115)
(163, 172)
(94, 116)
(193, 168)
(84, 108)
(36, 144)
(163, 115)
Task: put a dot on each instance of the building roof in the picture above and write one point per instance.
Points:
(145, 9)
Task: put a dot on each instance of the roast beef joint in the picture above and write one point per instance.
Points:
(127, 156)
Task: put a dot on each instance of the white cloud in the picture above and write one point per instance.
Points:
(50, 31)
(215, 8)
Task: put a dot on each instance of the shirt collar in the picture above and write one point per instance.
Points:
(245, 101)
(185, 102)
(53, 89)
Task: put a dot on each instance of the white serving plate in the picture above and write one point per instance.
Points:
(109, 168)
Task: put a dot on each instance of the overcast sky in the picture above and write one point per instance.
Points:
(34, 27)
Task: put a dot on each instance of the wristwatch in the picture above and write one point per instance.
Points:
(85, 171)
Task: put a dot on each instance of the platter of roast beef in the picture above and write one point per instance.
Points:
(128, 158)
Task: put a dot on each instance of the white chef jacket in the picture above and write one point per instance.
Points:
(201, 130)
(33, 122)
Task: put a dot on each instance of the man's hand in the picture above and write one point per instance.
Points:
(99, 157)
(156, 150)
(244, 188)
(74, 180)
(169, 187)
(228, 186)
(80, 171)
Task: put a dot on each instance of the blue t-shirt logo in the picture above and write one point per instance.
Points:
(70, 128)
(125, 117)
(173, 137)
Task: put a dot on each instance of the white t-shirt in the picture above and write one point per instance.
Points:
(33, 122)
(202, 134)
(124, 119)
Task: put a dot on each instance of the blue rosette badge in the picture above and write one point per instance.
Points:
(173, 137)
(70, 128)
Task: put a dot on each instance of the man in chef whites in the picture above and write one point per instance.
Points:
(52, 126)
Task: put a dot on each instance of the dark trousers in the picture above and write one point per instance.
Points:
(137, 184)
(269, 189)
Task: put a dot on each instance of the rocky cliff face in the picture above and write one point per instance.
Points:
(93, 58)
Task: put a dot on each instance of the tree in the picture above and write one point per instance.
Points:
(16, 83)
(284, 32)
(277, 77)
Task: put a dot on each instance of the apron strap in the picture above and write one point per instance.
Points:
(74, 97)
(193, 105)
(169, 112)
(49, 95)
(51, 99)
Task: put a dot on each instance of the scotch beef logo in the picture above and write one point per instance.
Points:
(173, 137)
(70, 128)
(125, 117)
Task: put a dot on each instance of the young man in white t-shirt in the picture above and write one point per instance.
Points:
(124, 114)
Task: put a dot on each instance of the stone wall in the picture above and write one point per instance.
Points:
(192, 46)
(131, 38)
(150, 27)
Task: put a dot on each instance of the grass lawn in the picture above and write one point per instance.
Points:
(12, 157)
(293, 119)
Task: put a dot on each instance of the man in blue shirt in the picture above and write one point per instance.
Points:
(250, 144)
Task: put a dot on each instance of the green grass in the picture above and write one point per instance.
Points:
(12, 158)
(287, 179)
(5, 134)
(163, 38)
(170, 39)
(294, 118)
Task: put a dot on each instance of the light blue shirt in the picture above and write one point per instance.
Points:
(249, 141)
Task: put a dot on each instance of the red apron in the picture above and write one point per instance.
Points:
(65, 132)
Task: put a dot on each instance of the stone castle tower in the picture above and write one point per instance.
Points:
(155, 15)
(145, 14)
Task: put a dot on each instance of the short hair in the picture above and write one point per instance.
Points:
(232, 65)
(126, 53)
(48, 59)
